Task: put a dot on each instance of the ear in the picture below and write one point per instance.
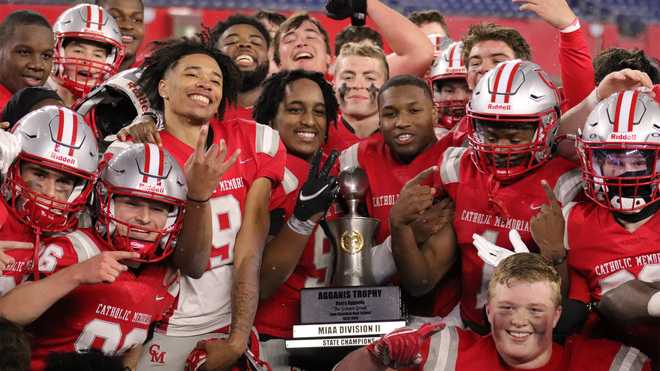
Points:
(557, 315)
(163, 89)
(489, 313)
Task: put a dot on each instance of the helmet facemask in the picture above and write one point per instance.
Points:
(621, 177)
(122, 235)
(450, 112)
(529, 137)
(46, 213)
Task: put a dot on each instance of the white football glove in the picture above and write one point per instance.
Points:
(493, 254)
(10, 147)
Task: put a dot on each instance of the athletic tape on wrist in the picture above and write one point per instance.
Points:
(304, 227)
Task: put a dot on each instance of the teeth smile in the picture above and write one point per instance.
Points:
(244, 58)
(200, 98)
(519, 335)
(306, 135)
(404, 137)
(303, 55)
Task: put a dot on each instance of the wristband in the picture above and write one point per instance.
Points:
(653, 307)
(198, 201)
(303, 227)
(574, 26)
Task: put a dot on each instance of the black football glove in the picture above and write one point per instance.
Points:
(342, 9)
(320, 189)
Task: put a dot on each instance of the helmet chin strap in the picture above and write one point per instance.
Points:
(638, 216)
(624, 197)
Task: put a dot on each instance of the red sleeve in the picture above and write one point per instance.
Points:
(656, 90)
(577, 70)
(579, 289)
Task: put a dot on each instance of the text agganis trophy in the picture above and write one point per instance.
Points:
(353, 312)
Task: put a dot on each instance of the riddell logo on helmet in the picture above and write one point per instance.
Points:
(68, 160)
(500, 106)
(626, 137)
(143, 101)
(155, 188)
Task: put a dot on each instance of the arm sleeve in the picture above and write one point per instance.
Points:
(579, 288)
(577, 70)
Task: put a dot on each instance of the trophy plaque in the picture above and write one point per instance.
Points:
(353, 312)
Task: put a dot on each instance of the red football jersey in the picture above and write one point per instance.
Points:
(277, 315)
(489, 208)
(238, 112)
(386, 176)
(109, 317)
(455, 349)
(204, 304)
(616, 256)
(341, 136)
(12, 232)
(5, 96)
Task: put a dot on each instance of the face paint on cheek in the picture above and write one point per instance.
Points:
(373, 92)
(343, 89)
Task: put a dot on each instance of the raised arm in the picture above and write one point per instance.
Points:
(577, 71)
(412, 49)
(203, 169)
(282, 253)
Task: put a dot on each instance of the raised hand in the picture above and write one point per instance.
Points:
(141, 130)
(320, 189)
(414, 199)
(204, 167)
(492, 254)
(401, 348)
(555, 12)
(625, 79)
(547, 227)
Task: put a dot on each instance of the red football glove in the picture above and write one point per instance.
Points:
(401, 348)
(196, 358)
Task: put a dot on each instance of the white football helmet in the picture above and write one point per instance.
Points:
(91, 23)
(618, 150)
(449, 65)
(515, 95)
(143, 171)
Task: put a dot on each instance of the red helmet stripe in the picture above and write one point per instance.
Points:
(100, 18)
(509, 83)
(74, 133)
(147, 162)
(633, 106)
(88, 24)
(451, 56)
(161, 163)
(60, 126)
(498, 75)
(617, 111)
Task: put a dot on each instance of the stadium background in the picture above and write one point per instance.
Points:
(609, 23)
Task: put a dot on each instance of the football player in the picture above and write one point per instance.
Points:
(449, 84)
(407, 146)
(524, 304)
(88, 50)
(227, 215)
(129, 15)
(26, 52)
(360, 71)
(302, 43)
(102, 304)
(46, 187)
(246, 41)
(299, 105)
(495, 183)
(618, 150)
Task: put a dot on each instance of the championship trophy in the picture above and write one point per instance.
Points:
(353, 312)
